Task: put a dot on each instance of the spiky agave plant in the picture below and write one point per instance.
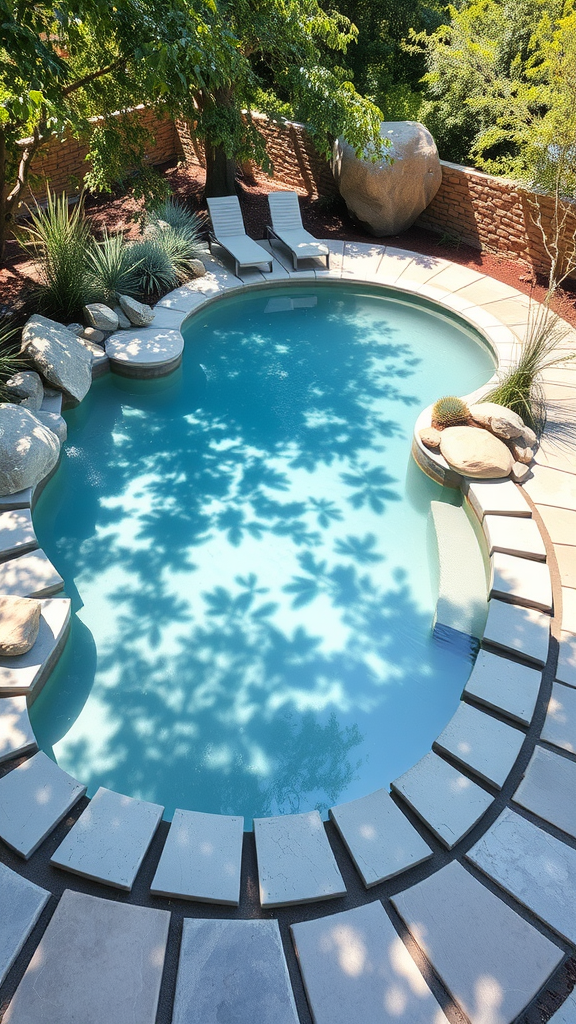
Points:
(179, 218)
(155, 273)
(449, 411)
(111, 267)
(178, 232)
(57, 238)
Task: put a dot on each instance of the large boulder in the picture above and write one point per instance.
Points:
(26, 389)
(57, 424)
(475, 452)
(387, 196)
(59, 356)
(28, 449)
(138, 313)
(100, 316)
(19, 624)
(497, 418)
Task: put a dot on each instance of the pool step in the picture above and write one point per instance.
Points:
(30, 575)
(99, 962)
(16, 736)
(33, 798)
(461, 602)
(16, 533)
(27, 673)
(483, 744)
(295, 860)
(21, 903)
(233, 971)
(518, 630)
(505, 686)
(201, 859)
(109, 841)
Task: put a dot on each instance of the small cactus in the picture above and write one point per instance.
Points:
(449, 412)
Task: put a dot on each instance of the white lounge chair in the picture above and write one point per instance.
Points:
(229, 233)
(287, 228)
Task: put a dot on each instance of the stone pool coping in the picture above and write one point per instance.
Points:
(417, 840)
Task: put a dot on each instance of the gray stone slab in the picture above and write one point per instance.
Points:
(295, 860)
(16, 533)
(566, 1014)
(560, 724)
(98, 962)
(52, 401)
(448, 802)
(16, 736)
(33, 798)
(548, 789)
(566, 668)
(496, 497)
(30, 575)
(491, 960)
(109, 841)
(534, 867)
(27, 673)
(514, 536)
(357, 970)
(521, 631)
(521, 581)
(202, 858)
(378, 837)
(21, 903)
(486, 746)
(233, 971)
(145, 346)
(20, 499)
(505, 686)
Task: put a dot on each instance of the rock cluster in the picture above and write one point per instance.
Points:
(29, 450)
(495, 444)
(58, 355)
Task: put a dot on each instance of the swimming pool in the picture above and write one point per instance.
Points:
(246, 546)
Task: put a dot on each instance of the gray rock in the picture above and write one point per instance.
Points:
(522, 453)
(520, 472)
(94, 335)
(475, 452)
(28, 450)
(26, 389)
(19, 624)
(431, 437)
(139, 314)
(75, 328)
(385, 196)
(59, 356)
(497, 418)
(98, 315)
(197, 268)
(57, 424)
(123, 321)
(528, 438)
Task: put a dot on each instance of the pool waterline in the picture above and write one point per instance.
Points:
(205, 695)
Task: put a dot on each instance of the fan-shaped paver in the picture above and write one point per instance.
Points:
(379, 837)
(202, 858)
(357, 969)
(548, 789)
(448, 802)
(16, 533)
(560, 725)
(30, 575)
(33, 798)
(566, 1014)
(504, 685)
(566, 668)
(521, 631)
(514, 536)
(534, 867)
(26, 673)
(20, 499)
(485, 745)
(109, 841)
(521, 581)
(496, 497)
(295, 860)
(491, 960)
(21, 903)
(16, 736)
(98, 962)
(233, 971)
(154, 349)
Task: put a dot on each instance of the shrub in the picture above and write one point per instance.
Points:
(154, 271)
(58, 239)
(112, 269)
(179, 218)
(449, 412)
(10, 360)
(178, 232)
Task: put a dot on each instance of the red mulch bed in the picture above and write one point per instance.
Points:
(323, 217)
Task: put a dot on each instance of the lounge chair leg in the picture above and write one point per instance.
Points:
(328, 261)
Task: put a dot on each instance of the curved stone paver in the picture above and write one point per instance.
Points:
(491, 960)
(201, 859)
(516, 630)
(109, 841)
(145, 351)
(560, 726)
(295, 861)
(505, 686)
(27, 673)
(461, 603)
(496, 497)
(99, 962)
(514, 536)
(233, 971)
(16, 533)
(548, 789)
(566, 1014)
(30, 575)
(520, 581)
(33, 798)
(16, 736)
(483, 744)
(21, 903)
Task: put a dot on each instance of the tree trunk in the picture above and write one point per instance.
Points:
(10, 202)
(220, 172)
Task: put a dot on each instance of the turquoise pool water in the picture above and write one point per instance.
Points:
(247, 550)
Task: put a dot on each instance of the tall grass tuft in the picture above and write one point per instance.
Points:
(180, 219)
(10, 360)
(178, 233)
(154, 271)
(57, 237)
(111, 268)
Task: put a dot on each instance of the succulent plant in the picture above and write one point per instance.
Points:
(449, 412)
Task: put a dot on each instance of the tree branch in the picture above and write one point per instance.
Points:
(92, 77)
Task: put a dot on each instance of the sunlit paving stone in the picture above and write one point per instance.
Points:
(485, 745)
(534, 867)
(109, 841)
(505, 685)
(16, 735)
(521, 581)
(98, 962)
(295, 860)
(143, 347)
(448, 802)
(566, 668)
(21, 903)
(379, 837)
(548, 789)
(16, 532)
(565, 1014)
(30, 575)
(514, 536)
(201, 859)
(233, 971)
(33, 798)
(552, 487)
(560, 725)
(496, 497)
(521, 631)
(19, 499)
(491, 960)
(26, 673)
(357, 970)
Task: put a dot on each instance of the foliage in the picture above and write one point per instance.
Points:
(10, 361)
(58, 239)
(154, 269)
(449, 412)
(178, 217)
(111, 268)
(177, 231)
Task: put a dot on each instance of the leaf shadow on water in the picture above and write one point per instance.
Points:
(197, 684)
